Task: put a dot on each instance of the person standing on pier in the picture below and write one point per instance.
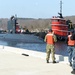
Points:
(50, 39)
(71, 49)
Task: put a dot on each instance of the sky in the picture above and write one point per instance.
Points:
(36, 8)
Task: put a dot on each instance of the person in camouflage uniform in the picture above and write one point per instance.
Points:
(50, 39)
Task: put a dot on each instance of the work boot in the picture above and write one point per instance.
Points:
(47, 61)
(73, 72)
(54, 61)
(70, 64)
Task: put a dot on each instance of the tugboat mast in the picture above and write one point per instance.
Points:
(61, 6)
(60, 10)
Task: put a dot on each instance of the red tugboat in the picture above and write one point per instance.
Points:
(58, 24)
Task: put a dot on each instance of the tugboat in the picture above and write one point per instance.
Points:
(58, 24)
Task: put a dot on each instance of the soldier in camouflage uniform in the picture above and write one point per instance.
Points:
(50, 39)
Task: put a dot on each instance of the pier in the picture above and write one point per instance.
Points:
(12, 62)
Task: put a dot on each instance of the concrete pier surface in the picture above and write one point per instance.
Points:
(14, 63)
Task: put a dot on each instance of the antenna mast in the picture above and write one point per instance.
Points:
(61, 6)
(60, 9)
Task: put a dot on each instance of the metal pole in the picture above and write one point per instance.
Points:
(61, 6)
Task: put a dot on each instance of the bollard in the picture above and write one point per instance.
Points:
(61, 58)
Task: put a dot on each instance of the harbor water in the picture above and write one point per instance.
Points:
(60, 46)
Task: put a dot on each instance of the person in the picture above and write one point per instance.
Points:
(71, 50)
(50, 39)
(73, 65)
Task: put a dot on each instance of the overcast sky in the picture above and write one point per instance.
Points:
(35, 8)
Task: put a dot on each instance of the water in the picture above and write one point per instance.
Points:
(60, 47)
